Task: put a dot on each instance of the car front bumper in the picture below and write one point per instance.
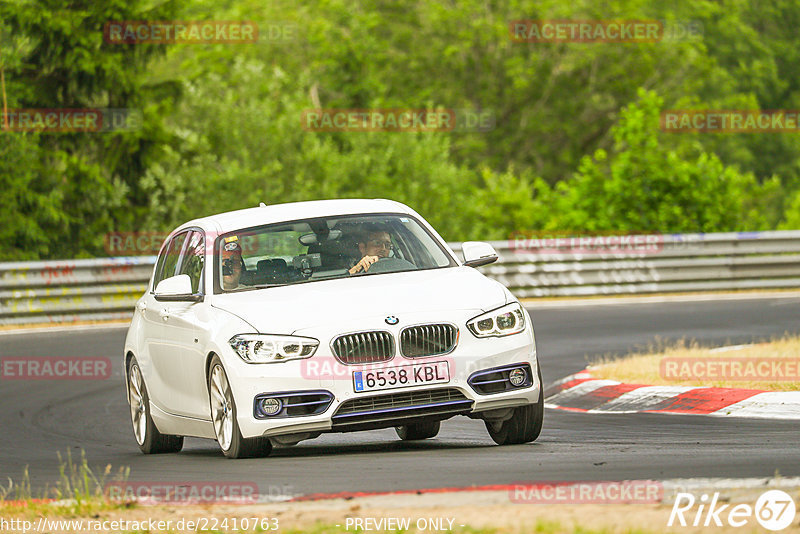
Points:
(323, 373)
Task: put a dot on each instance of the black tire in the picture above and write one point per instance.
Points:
(418, 431)
(239, 447)
(154, 442)
(525, 424)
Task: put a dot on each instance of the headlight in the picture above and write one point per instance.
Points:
(510, 319)
(268, 348)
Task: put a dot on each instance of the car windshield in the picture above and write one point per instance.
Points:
(324, 249)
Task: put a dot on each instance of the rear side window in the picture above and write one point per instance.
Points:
(193, 258)
(168, 260)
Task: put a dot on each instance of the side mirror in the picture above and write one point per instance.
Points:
(477, 253)
(176, 288)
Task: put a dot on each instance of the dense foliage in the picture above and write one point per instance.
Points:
(576, 144)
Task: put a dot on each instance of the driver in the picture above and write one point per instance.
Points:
(231, 265)
(377, 245)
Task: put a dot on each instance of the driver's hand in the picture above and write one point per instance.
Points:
(364, 264)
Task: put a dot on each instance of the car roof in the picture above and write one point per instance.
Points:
(233, 220)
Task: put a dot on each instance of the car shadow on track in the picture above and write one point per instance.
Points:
(310, 449)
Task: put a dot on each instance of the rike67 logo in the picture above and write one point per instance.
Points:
(774, 510)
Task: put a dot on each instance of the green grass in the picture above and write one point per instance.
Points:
(77, 492)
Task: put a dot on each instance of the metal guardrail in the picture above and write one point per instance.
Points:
(670, 263)
(71, 290)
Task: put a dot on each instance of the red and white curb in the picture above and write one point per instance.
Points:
(582, 392)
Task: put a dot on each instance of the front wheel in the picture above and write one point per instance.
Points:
(525, 423)
(149, 439)
(418, 431)
(223, 415)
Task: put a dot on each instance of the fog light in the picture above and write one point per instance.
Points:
(517, 377)
(271, 406)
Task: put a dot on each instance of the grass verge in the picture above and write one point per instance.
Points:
(77, 492)
(769, 366)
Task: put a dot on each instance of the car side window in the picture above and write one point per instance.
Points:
(193, 259)
(169, 258)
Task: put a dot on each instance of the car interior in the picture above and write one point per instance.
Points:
(326, 252)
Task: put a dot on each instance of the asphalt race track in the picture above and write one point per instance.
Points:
(40, 418)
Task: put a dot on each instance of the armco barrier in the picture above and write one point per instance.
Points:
(70, 290)
(678, 263)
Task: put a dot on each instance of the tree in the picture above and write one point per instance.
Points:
(643, 186)
(57, 59)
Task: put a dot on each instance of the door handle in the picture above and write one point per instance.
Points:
(164, 314)
(142, 306)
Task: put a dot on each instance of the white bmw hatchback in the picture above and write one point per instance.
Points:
(274, 324)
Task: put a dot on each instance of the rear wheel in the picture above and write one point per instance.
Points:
(223, 415)
(149, 439)
(525, 423)
(418, 431)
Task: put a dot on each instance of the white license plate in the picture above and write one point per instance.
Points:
(400, 376)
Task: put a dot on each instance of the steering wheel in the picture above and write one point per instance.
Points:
(390, 265)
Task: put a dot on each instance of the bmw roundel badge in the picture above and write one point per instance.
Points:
(392, 320)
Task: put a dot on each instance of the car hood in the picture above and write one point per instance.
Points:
(287, 309)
